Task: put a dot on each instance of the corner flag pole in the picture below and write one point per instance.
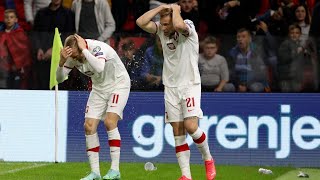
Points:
(56, 124)
(56, 47)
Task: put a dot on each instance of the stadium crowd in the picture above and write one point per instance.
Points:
(246, 45)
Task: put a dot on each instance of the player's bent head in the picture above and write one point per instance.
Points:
(71, 41)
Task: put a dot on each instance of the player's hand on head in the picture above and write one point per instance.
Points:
(81, 42)
(175, 7)
(65, 52)
(166, 6)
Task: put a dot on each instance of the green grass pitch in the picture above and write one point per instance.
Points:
(135, 171)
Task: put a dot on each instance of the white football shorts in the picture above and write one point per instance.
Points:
(100, 103)
(182, 102)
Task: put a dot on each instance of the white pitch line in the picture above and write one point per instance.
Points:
(24, 168)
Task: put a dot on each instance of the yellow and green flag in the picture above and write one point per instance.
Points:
(56, 48)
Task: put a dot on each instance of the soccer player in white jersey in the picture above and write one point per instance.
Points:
(109, 95)
(181, 79)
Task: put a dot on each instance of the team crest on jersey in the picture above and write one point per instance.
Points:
(96, 49)
(171, 46)
(98, 54)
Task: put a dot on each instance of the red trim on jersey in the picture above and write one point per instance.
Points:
(156, 27)
(201, 139)
(86, 44)
(103, 58)
(182, 148)
(96, 149)
(115, 143)
(90, 85)
(67, 67)
(188, 31)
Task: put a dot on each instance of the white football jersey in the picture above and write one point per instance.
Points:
(181, 55)
(114, 73)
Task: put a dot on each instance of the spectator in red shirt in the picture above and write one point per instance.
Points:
(15, 54)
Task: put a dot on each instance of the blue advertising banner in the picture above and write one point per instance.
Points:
(243, 129)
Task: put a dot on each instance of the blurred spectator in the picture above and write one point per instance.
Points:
(18, 6)
(93, 19)
(15, 53)
(277, 19)
(274, 20)
(302, 18)
(236, 14)
(249, 73)
(46, 20)
(269, 52)
(125, 13)
(31, 7)
(190, 11)
(132, 64)
(152, 67)
(213, 68)
(287, 3)
(292, 61)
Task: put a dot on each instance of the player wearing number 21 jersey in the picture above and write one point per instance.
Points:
(181, 79)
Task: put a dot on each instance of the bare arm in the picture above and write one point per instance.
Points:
(177, 20)
(224, 75)
(220, 85)
(145, 21)
(64, 67)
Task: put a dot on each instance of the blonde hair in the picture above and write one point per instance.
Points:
(71, 42)
(165, 12)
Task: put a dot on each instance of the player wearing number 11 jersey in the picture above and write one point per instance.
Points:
(109, 95)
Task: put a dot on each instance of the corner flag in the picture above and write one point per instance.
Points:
(55, 58)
